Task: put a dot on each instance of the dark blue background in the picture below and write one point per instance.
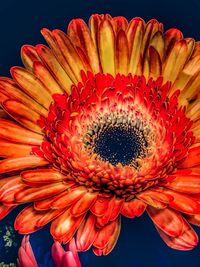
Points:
(20, 22)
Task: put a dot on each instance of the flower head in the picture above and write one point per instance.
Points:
(104, 123)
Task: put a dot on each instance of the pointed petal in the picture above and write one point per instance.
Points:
(13, 132)
(107, 49)
(64, 227)
(86, 233)
(167, 220)
(148, 199)
(68, 259)
(83, 204)
(14, 164)
(57, 253)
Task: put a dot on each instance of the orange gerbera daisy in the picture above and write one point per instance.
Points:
(104, 123)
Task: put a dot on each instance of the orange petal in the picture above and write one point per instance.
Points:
(122, 53)
(26, 220)
(133, 208)
(10, 188)
(103, 220)
(148, 199)
(167, 220)
(183, 203)
(113, 239)
(23, 114)
(5, 210)
(69, 52)
(13, 132)
(69, 197)
(116, 209)
(189, 184)
(41, 176)
(29, 55)
(193, 158)
(104, 235)
(186, 241)
(119, 23)
(193, 219)
(58, 62)
(83, 204)
(100, 206)
(46, 78)
(64, 227)
(175, 61)
(135, 33)
(32, 194)
(9, 149)
(32, 86)
(155, 65)
(86, 233)
(12, 91)
(14, 164)
(48, 217)
(79, 34)
(171, 36)
(107, 49)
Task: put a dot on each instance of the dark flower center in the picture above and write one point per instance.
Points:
(118, 145)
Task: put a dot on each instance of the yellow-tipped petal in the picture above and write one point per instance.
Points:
(122, 53)
(32, 86)
(46, 78)
(80, 36)
(175, 61)
(29, 55)
(55, 68)
(9, 88)
(157, 42)
(106, 44)
(135, 33)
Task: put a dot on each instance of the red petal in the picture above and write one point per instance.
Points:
(167, 220)
(133, 208)
(186, 241)
(86, 233)
(83, 204)
(100, 206)
(104, 235)
(64, 227)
